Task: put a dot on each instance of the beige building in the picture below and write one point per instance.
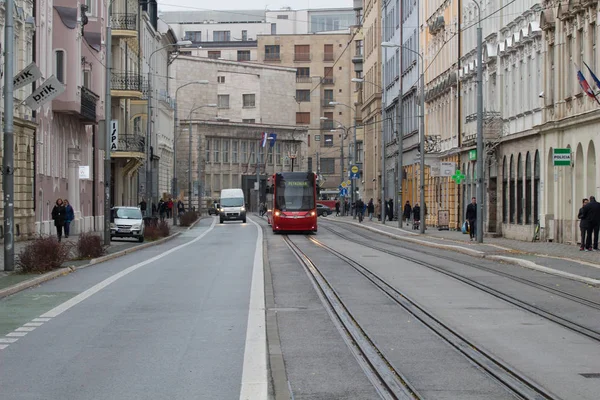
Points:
(324, 69)
(250, 99)
(371, 98)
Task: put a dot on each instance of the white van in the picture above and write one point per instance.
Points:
(233, 205)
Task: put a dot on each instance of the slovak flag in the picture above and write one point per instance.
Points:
(263, 140)
(585, 85)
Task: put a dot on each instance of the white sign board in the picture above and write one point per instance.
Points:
(447, 168)
(29, 74)
(114, 135)
(84, 172)
(47, 91)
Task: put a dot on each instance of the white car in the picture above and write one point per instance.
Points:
(127, 222)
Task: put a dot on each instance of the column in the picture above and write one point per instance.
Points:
(74, 154)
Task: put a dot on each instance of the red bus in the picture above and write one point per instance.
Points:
(292, 202)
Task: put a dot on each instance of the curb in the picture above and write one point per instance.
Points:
(67, 270)
(480, 254)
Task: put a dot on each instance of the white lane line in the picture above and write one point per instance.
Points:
(254, 373)
(8, 340)
(34, 324)
(16, 334)
(3, 346)
(56, 311)
(25, 329)
(41, 319)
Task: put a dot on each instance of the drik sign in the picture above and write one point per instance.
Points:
(47, 91)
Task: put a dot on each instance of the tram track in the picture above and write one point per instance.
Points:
(571, 325)
(390, 381)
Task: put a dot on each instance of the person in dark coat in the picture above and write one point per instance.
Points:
(591, 213)
(407, 211)
(471, 216)
(583, 225)
(59, 214)
(69, 217)
(371, 209)
(416, 213)
(391, 209)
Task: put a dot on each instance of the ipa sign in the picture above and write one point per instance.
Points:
(114, 134)
(561, 157)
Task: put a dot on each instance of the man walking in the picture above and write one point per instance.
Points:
(591, 214)
(472, 217)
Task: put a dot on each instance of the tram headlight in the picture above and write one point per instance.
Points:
(313, 213)
(277, 213)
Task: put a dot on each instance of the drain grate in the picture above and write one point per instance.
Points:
(591, 375)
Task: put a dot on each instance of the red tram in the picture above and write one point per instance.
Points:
(292, 202)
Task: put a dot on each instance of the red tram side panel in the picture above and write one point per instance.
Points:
(292, 202)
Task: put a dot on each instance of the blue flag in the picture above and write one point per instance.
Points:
(272, 138)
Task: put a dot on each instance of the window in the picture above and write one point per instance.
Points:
(214, 54)
(308, 140)
(328, 75)
(249, 100)
(327, 96)
(225, 150)
(273, 29)
(536, 187)
(520, 197)
(593, 35)
(570, 76)
(248, 121)
(60, 65)
(303, 118)
(252, 151)
(278, 153)
(302, 95)
(327, 166)
(528, 183)
(551, 83)
(512, 191)
(208, 150)
(280, 16)
(272, 52)
(359, 152)
(194, 36)
(328, 52)
(234, 151)
(359, 48)
(328, 140)
(302, 52)
(223, 101)
(243, 55)
(304, 72)
(216, 143)
(310, 166)
(221, 79)
(244, 151)
(244, 35)
(269, 155)
(221, 36)
(87, 79)
(504, 192)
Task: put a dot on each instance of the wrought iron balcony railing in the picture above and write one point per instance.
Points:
(124, 22)
(126, 81)
(131, 143)
(89, 100)
(326, 103)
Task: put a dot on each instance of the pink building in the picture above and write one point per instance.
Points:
(71, 48)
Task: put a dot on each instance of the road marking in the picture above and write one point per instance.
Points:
(16, 334)
(8, 340)
(25, 329)
(41, 319)
(3, 346)
(34, 324)
(56, 311)
(254, 373)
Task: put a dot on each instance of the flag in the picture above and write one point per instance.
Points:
(263, 140)
(594, 77)
(272, 138)
(585, 85)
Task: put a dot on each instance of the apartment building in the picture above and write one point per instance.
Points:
(323, 96)
(221, 126)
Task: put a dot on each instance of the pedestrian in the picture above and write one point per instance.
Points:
(416, 216)
(58, 215)
(69, 217)
(391, 209)
(378, 209)
(591, 213)
(471, 216)
(407, 211)
(371, 209)
(583, 225)
(359, 207)
(180, 207)
(337, 208)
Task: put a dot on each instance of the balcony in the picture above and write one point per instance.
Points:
(326, 104)
(302, 57)
(88, 105)
(130, 146)
(272, 57)
(124, 25)
(328, 80)
(303, 79)
(126, 85)
(326, 125)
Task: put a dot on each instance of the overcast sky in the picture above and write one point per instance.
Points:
(182, 5)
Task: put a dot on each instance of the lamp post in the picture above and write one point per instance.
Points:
(340, 126)
(190, 156)
(480, 153)
(149, 123)
(421, 130)
(354, 155)
(8, 181)
(175, 136)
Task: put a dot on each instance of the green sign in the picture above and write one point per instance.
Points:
(561, 157)
(472, 155)
(458, 177)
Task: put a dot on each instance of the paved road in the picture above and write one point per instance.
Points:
(168, 322)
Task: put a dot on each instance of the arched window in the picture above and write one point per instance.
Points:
(528, 188)
(519, 190)
(504, 191)
(536, 188)
(512, 190)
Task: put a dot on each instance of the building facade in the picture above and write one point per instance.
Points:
(67, 132)
(223, 141)
(323, 99)
(569, 38)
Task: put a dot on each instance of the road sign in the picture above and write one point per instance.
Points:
(344, 184)
(561, 157)
(344, 192)
(348, 182)
(354, 174)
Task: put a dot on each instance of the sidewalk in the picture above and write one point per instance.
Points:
(8, 279)
(555, 258)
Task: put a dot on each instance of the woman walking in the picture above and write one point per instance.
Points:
(69, 217)
(59, 216)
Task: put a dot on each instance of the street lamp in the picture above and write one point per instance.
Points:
(190, 158)
(200, 82)
(183, 43)
(340, 126)
(480, 154)
(421, 133)
(354, 156)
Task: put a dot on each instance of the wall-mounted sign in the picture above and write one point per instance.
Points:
(114, 135)
(561, 157)
(84, 172)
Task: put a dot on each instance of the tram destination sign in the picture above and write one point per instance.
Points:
(561, 157)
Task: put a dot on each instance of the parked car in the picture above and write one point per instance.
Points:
(127, 222)
(214, 209)
(323, 210)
